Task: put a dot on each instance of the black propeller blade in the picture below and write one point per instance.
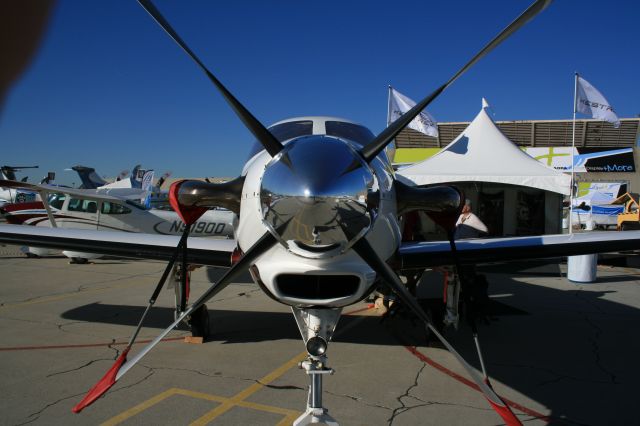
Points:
(370, 151)
(389, 277)
(270, 143)
(122, 365)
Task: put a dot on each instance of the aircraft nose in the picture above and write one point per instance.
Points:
(323, 189)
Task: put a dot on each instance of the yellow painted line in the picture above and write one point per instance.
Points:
(199, 395)
(239, 397)
(246, 404)
(237, 400)
(268, 408)
(290, 415)
(139, 408)
(287, 421)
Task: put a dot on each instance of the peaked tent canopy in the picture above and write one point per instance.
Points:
(482, 153)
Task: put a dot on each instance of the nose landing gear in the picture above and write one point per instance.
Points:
(316, 327)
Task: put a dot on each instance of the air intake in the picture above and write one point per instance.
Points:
(317, 287)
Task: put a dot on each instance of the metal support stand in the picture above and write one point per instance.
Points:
(316, 327)
(315, 412)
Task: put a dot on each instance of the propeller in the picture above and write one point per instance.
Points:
(374, 147)
(190, 199)
(389, 278)
(122, 365)
(268, 141)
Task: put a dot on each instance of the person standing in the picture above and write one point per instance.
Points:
(469, 225)
(474, 287)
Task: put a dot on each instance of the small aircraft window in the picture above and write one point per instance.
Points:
(354, 132)
(56, 200)
(75, 205)
(84, 206)
(113, 208)
(136, 205)
(284, 132)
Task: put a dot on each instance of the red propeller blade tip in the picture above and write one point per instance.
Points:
(103, 385)
(507, 415)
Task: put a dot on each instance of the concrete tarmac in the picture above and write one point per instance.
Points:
(558, 352)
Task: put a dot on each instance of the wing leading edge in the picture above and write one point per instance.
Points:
(426, 254)
(202, 251)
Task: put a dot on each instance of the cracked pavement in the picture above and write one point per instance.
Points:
(568, 353)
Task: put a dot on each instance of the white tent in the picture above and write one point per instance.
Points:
(482, 153)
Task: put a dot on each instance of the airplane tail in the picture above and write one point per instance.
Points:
(89, 177)
(9, 172)
(136, 176)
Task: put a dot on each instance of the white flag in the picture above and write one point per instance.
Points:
(424, 122)
(591, 102)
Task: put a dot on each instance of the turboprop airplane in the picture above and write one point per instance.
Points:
(318, 229)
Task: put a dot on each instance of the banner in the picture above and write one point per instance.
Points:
(590, 101)
(147, 180)
(399, 104)
(604, 160)
(599, 191)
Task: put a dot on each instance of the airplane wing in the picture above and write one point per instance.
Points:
(418, 255)
(104, 194)
(201, 251)
(415, 255)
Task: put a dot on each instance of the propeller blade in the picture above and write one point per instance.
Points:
(122, 365)
(370, 151)
(389, 277)
(268, 141)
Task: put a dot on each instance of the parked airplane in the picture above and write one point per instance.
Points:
(91, 180)
(139, 178)
(13, 195)
(106, 209)
(318, 229)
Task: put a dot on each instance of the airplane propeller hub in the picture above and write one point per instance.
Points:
(324, 194)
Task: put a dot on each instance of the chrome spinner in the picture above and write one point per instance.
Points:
(320, 194)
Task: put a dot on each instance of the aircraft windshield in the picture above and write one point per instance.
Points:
(113, 208)
(353, 132)
(340, 129)
(284, 132)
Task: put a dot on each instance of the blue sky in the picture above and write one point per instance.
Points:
(109, 89)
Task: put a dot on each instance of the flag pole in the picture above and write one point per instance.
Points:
(389, 106)
(393, 143)
(573, 150)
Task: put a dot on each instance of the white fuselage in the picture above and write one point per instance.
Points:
(13, 195)
(384, 236)
(78, 213)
